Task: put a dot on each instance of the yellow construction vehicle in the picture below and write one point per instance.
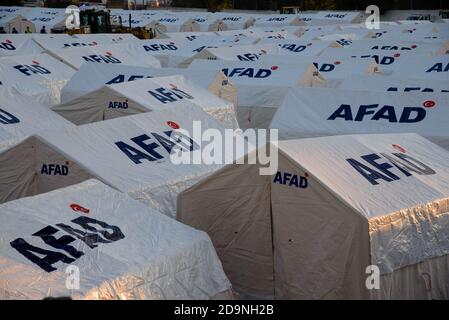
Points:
(290, 10)
(101, 21)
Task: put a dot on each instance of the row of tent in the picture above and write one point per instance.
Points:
(165, 21)
(90, 130)
(162, 21)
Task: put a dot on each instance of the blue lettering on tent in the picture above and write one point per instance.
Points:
(291, 180)
(247, 72)
(7, 118)
(88, 230)
(156, 146)
(29, 70)
(386, 113)
(376, 168)
(439, 67)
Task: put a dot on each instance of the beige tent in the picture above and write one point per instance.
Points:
(166, 24)
(8, 22)
(335, 208)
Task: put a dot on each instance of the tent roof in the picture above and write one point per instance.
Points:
(327, 159)
(142, 243)
(93, 146)
(21, 116)
(106, 54)
(318, 112)
(17, 44)
(38, 75)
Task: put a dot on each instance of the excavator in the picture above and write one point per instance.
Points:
(101, 21)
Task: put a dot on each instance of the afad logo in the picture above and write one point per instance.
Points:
(335, 15)
(291, 179)
(7, 45)
(157, 146)
(53, 169)
(388, 167)
(80, 44)
(160, 47)
(251, 56)
(249, 72)
(384, 113)
(416, 89)
(124, 78)
(33, 68)
(57, 243)
(277, 19)
(7, 118)
(233, 19)
(168, 20)
(394, 47)
(107, 58)
(296, 48)
(118, 104)
(439, 67)
(384, 60)
(326, 67)
(169, 95)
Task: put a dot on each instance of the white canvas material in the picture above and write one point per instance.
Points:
(142, 168)
(394, 84)
(39, 76)
(17, 44)
(422, 67)
(150, 94)
(91, 77)
(312, 112)
(336, 206)
(129, 252)
(106, 54)
(21, 116)
(261, 86)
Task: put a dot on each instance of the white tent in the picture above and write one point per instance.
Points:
(234, 53)
(92, 77)
(395, 84)
(284, 32)
(384, 58)
(190, 51)
(422, 67)
(232, 21)
(61, 41)
(21, 116)
(335, 206)
(297, 47)
(39, 76)
(108, 38)
(134, 154)
(261, 86)
(9, 22)
(396, 46)
(313, 112)
(333, 70)
(45, 17)
(340, 17)
(159, 48)
(17, 44)
(268, 20)
(130, 251)
(172, 23)
(106, 54)
(145, 95)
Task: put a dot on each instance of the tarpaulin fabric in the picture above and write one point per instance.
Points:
(137, 253)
